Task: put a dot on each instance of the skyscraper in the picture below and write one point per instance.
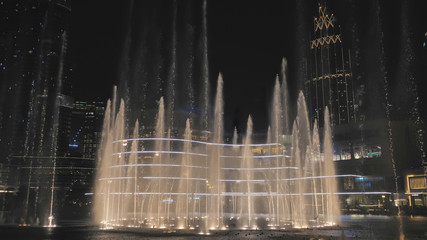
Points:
(329, 82)
(87, 127)
(35, 102)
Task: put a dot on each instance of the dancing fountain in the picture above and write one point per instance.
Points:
(171, 179)
(165, 164)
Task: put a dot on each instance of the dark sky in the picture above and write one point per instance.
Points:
(96, 41)
(247, 40)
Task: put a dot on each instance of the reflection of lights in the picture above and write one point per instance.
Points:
(6, 191)
(125, 143)
(168, 200)
(157, 153)
(106, 228)
(251, 157)
(299, 227)
(238, 180)
(156, 165)
(51, 225)
(258, 169)
(116, 178)
(176, 178)
(362, 193)
(193, 141)
(314, 177)
(214, 182)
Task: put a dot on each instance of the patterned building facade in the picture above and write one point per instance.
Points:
(329, 82)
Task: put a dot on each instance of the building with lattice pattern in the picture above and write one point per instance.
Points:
(329, 82)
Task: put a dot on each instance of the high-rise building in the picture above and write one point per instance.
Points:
(86, 128)
(35, 102)
(358, 151)
(329, 82)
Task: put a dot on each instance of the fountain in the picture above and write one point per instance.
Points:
(165, 164)
(181, 182)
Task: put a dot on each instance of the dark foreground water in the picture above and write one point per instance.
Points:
(352, 227)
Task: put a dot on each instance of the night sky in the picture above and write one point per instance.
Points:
(247, 40)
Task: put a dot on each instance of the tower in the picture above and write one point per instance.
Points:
(329, 82)
(35, 103)
(87, 127)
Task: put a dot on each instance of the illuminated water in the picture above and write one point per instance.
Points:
(164, 182)
(162, 173)
(352, 227)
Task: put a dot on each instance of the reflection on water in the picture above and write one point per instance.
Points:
(353, 227)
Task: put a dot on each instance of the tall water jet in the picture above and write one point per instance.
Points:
(33, 135)
(285, 97)
(301, 148)
(188, 162)
(215, 218)
(134, 170)
(276, 113)
(247, 176)
(303, 124)
(104, 155)
(316, 170)
(388, 109)
(235, 136)
(55, 126)
(298, 207)
(162, 180)
(117, 206)
(171, 81)
(159, 146)
(271, 197)
(275, 133)
(205, 70)
(331, 185)
(185, 186)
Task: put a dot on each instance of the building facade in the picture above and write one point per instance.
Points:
(35, 103)
(365, 172)
(86, 128)
(329, 82)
